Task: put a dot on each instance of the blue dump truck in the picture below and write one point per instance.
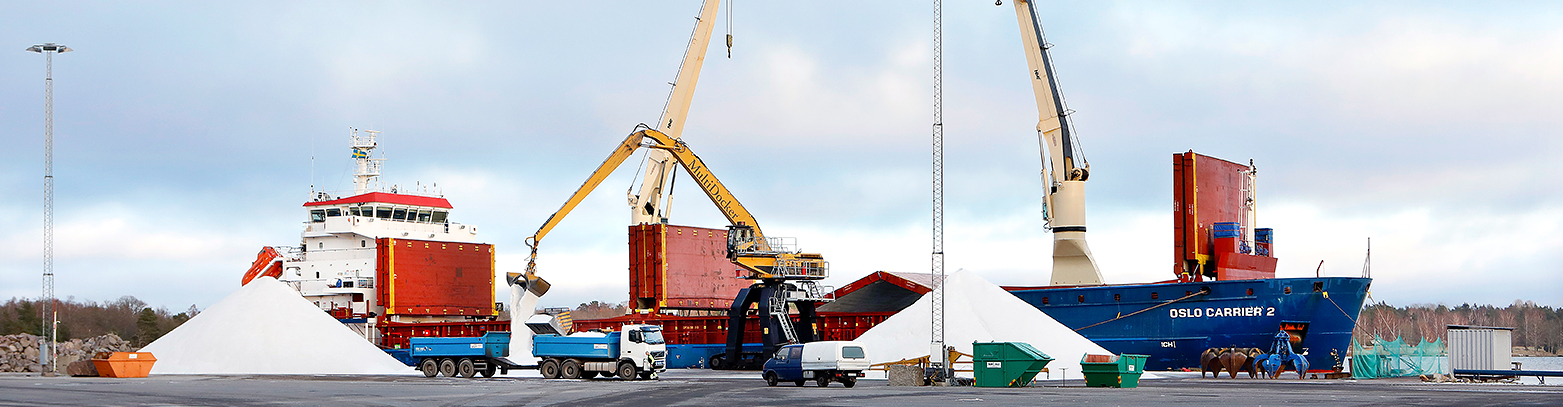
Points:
(635, 351)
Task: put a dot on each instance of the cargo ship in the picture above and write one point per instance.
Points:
(1225, 294)
(387, 261)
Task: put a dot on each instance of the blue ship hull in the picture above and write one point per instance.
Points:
(1242, 313)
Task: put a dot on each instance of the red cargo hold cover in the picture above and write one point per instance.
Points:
(420, 277)
(681, 267)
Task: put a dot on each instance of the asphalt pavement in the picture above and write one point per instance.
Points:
(704, 387)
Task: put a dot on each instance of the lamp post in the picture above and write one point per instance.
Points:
(46, 355)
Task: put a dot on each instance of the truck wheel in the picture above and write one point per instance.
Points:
(430, 367)
(570, 369)
(626, 370)
(770, 379)
(488, 371)
(466, 369)
(823, 380)
(549, 369)
(718, 362)
(448, 367)
(849, 382)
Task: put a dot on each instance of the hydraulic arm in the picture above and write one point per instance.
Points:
(1064, 173)
(747, 245)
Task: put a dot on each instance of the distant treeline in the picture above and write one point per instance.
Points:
(599, 310)
(127, 317)
(1534, 325)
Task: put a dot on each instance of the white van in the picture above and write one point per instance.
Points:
(822, 362)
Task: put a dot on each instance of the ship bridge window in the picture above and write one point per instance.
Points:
(333, 212)
(317, 215)
(437, 217)
(423, 216)
(354, 211)
(399, 214)
(382, 212)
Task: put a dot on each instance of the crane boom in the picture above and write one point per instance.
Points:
(1064, 174)
(747, 245)
(646, 205)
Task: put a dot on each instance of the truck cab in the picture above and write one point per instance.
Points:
(823, 362)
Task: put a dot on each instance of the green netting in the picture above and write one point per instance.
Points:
(1396, 358)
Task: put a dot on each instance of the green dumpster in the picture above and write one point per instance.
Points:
(1112, 370)
(1006, 364)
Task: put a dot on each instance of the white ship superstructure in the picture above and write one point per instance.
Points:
(335, 264)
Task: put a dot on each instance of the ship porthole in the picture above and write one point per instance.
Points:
(1044, 300)
(1155, 296)
(1250, 291)
(1288, 290)
(1082, 298)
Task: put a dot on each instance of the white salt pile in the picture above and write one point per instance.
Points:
(267, 328)
(976, 310)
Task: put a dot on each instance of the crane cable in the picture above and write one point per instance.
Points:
(729, 29)
(1202, 291)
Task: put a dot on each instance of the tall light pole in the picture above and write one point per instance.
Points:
(46, 353)
(937, 353)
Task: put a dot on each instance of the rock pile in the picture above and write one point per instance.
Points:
(19, 353)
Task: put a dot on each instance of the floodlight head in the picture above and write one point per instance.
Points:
(49, 47)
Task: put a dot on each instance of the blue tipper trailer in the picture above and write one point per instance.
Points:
(463, 356)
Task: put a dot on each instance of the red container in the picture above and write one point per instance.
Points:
(681, 267)
(427, 278)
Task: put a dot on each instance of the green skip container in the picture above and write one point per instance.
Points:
(1006, 364)
(1112, 370)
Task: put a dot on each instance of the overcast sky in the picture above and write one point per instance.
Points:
(185, 133)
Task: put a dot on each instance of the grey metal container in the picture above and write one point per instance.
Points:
(1480, 347)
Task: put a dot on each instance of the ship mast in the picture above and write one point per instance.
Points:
(368, 168)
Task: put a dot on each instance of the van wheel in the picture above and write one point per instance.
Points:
(549, 369)
(849, 382)
(626, 370)
(822, 381)
(448, 367)
(770, 379)
(429, 367)
(466, 369)
(570, 369)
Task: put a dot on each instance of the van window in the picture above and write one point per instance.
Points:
(852, 352)
(797, 353)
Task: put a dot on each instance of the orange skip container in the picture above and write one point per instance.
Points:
(124, 364)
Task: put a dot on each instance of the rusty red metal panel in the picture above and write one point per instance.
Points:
(420, 277)
(686, 330)
(681, 267)
(394, 335)
(880, 276)
(1206, 190)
